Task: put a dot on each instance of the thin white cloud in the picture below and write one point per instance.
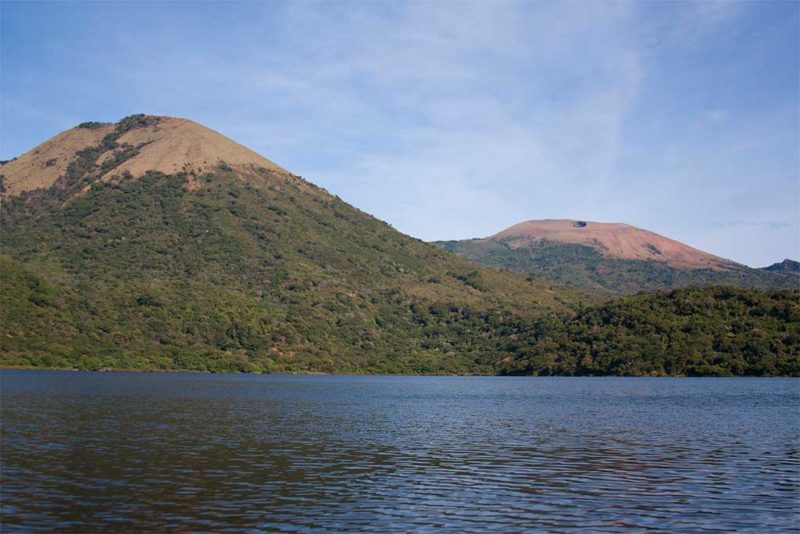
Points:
(772, 225)
(454, 107)
(714, 115)
(456, 119)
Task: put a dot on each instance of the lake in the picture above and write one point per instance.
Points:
(150, 451)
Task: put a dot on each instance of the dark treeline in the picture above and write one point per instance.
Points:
(686, 332)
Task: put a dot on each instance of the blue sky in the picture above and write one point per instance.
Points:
(455, 120)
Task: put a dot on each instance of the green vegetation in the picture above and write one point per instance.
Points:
(92, 125)
(584, 268)
(241, 269)
(720, 331)
(255, 270)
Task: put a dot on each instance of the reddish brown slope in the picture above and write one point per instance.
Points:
(42, 165)
(615, 240)
(172, 145)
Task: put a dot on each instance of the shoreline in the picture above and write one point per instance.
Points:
(366, 374)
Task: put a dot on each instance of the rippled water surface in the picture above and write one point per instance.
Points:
(95, 451)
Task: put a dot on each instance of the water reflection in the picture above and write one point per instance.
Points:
(88, 451)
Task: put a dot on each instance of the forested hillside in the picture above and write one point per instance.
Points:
(147, 249)
(235, 267)
(584, 267)
(686, 332)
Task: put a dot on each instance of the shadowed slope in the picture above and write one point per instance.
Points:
(785, 266)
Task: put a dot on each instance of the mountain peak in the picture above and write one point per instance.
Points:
(170, 144)
(230, 259)
(616, 240)
(134, 145)
(786, 266)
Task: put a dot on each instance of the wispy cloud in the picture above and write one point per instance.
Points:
(774, 225)
(452, 108)
(714, 115)
(455, 119)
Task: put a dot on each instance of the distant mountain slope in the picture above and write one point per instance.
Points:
(612, 240)
(163, 245)
(613, 258)
(785, 266)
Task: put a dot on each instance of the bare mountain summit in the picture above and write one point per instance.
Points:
(172, 145)
(157, 243)
(609, 257)
(612, 240)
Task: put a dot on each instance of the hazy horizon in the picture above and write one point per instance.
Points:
(455, 120)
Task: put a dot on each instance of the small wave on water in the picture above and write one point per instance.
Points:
(89, 451)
